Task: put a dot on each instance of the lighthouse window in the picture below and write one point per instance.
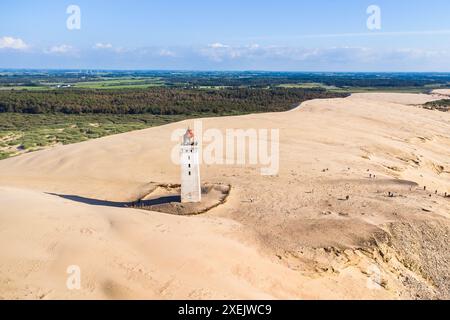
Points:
(189, 173)
(189, 165)
(189, 158)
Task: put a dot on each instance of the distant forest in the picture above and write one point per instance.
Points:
(159, 101)
(189, 92)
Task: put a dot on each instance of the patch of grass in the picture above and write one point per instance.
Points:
(4, 155)
(31, 132)
(441, 105)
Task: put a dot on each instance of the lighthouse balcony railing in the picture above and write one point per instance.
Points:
(189, 148)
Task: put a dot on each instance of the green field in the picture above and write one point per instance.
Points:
(29, 88)
(120, 84)
(381, 89)
(307, 85)
(313, 85)
(105, 83)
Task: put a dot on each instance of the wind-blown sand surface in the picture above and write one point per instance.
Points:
(293, 236)
(444, 92)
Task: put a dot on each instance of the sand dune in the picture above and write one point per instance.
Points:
(444, 92)
(321, 228)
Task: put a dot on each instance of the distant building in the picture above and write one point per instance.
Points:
(190, 169)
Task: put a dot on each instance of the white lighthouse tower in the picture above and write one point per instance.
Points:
(190, 169)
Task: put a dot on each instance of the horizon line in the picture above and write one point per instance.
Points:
(210, 70)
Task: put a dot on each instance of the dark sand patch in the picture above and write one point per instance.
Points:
(166, 199)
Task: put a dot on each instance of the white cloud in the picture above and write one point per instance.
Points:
(167, 53)
(249, 56)
(218, 45)
(341, 58)
(219, 52)
(61, 49)
(100, 45)
(12, 43)
(109, 47)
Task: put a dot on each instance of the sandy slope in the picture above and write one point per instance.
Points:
(290, 236)
(444, 92)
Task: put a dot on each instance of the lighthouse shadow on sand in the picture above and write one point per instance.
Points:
(165, 199)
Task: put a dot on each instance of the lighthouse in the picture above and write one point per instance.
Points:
(190, 169)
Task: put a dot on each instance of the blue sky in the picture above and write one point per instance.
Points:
(286, 35)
